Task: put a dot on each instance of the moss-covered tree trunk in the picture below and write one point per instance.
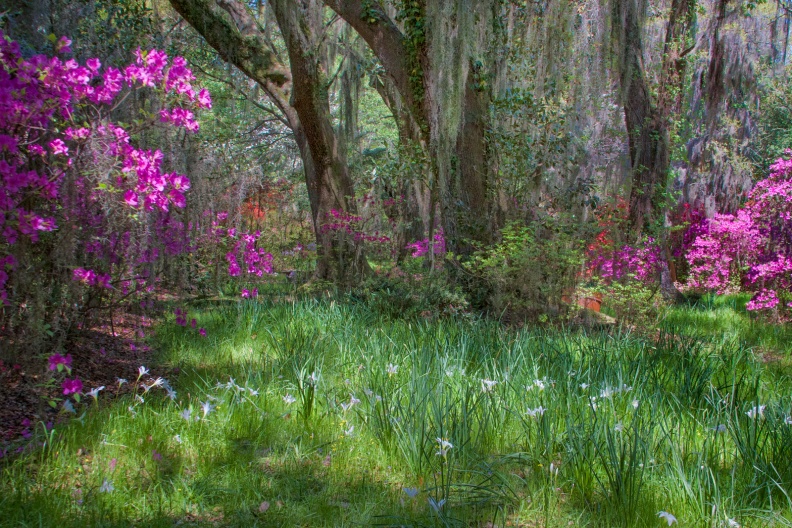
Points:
(648, 124)
(299, 93)
(439, 65)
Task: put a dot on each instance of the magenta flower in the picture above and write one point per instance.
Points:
(131, 199)
(58, 362)
(59, 147)
(71, 386)
(202, 331)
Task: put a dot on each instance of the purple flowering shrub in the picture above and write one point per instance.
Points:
(750, 250)
(85, 215)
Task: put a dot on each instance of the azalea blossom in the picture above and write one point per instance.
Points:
(71, 386)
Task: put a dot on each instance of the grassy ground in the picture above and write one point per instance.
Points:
(326, 414)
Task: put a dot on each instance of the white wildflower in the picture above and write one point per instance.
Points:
(411, 492)
(443, 447)
(488, 385)
(392, 369)
(142, 371)
(756, 411)
(670, 519)
(107, 487)
(535, 413)
(186, 414)
(94, 393)
(207, 408)
(289, 399)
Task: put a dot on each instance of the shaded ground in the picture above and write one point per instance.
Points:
(99, 356)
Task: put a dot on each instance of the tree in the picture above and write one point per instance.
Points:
(300, 93)
(439, 65)
(648, 123)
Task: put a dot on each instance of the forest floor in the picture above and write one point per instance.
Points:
(325, 413)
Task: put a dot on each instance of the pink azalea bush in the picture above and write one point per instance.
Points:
(752, 249)
(79, 202)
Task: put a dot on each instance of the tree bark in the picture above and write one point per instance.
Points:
(648, 126)
(298, 92)
(456, 145)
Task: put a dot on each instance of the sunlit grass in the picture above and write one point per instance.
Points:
(544, 428)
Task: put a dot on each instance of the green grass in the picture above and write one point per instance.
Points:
(726, 317)
(623, 427)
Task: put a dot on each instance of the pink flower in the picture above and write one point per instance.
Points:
(93, 64)
(71, 386)
(59, 147)
(202, 331)
(56, 360)
(204, 99)
(131, 199)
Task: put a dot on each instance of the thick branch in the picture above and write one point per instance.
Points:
(372, 23)
(246, 50)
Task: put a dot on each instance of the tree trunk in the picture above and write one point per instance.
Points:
(242, 42)
(437, 66)
(648, 126)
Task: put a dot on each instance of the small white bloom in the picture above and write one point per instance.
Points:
(353, 400)
(788, 420)
(350, 431)
(720, 428)
(488, 385)
(606, 393)
(121, 381)
(756, 411)
(368, 392)
(68, 407)
(178, 439)
(733, 523)
(635, 404)
(207, 408)
(443, 447)
(93, 393)
(619, 427)
(392, 369)
(142, 371)
(584, 386)
(534, 413)
(171, 393)
(253, 392)
(411, 492)
(670, 519)
(139, 398)
(107, 487)
(436, 505)
(289, 399)
(539, 384)
(186, 414)
(313, 378)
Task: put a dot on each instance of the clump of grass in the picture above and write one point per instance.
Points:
(319, 413)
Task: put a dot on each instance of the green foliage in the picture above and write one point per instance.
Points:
(531, 269)
(322, 412)
(409, 292)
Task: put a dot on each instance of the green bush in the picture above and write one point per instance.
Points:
(531, 269)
